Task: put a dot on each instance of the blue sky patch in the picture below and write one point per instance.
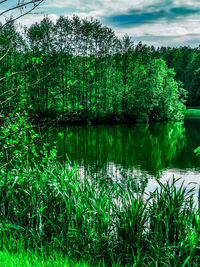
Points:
(135, 17)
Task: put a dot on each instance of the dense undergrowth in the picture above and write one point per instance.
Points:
(48, 209)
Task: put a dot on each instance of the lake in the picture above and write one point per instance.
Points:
(139, 151)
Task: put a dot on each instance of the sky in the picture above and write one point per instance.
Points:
(154, 22)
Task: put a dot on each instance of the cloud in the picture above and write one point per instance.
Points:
(152, 14)
(181, 32)
(184, 11)
(106, 7)
(136, 17)
(192, 40)
(158, 22)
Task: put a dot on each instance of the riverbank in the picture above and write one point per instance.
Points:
(89, 119)
(83, 119)
(49, 209)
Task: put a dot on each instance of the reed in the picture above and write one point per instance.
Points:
(49, 209)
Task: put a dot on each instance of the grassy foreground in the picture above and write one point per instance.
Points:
(50, 211)
(23, 259)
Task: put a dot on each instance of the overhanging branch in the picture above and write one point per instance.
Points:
(33, 4)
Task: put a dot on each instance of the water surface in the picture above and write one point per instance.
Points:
(139, 151)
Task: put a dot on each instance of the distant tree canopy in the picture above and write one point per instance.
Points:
(78, 68)
(185, 61)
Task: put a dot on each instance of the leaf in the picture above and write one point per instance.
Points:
(42, 208)
(197, 151)
(60, 134)
(185, 262)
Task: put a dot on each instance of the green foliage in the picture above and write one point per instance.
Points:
(78, 70)
(155, 92)
(150, 147)
(185, 62)
(32, 259)
(17, 138)
(195, 90)
(197, 151)
(50, 209)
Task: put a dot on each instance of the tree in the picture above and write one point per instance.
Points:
(195, 88)
(15, 128)
(155, 93)
(184, 61)
(84, 71)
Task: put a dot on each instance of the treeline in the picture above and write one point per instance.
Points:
(186, 63)
(79, 69)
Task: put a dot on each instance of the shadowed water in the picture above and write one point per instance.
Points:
(161, 150)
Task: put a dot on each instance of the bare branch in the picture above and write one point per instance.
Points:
(12, 74)
(8, 99)
(35, 4)
(19, 6)
(20, 87)
(5, 54)
(3, 1)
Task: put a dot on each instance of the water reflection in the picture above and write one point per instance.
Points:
(118, 152)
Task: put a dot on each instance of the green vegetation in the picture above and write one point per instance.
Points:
(78, 70)
(49, 209)
(32, 259)
(153, 147)
(185, 62)
(192, 111)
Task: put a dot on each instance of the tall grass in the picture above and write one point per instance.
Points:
(50, 210)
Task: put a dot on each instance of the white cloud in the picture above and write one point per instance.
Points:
(107, 7)
(30, 19)
(177, 30)
(192, 3)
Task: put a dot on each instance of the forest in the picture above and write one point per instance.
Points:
(78, 70)
(94, 195)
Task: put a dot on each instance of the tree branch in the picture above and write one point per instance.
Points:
(20, 87)
(19, 6)
(5, 54)
(35, 2)
(3, 1)
(12, 74)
